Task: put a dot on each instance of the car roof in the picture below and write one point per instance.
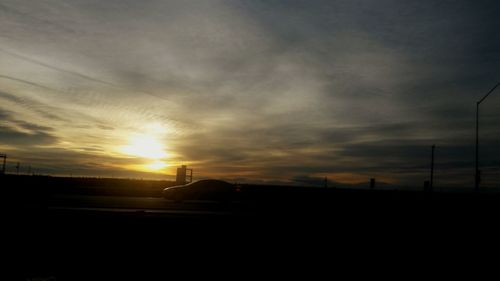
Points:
(207, 180)
(198, 181)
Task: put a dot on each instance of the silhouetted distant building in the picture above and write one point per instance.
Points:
(182, 176)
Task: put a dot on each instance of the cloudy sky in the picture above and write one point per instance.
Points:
(251, 90)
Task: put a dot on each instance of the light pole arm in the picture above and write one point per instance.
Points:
(491, 91)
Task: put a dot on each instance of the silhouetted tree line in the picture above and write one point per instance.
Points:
(47, 185)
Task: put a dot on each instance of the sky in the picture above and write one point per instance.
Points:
(251, 91)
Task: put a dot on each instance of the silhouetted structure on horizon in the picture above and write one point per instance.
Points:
(4, 156)
(183, 176)
(427, 186)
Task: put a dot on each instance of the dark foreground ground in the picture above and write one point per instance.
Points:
(67, 235)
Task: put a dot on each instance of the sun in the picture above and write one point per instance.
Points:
(148, 148)
(145, 146)
(156, 166)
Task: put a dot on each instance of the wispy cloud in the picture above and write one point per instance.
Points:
(10, 136)
(26, 82)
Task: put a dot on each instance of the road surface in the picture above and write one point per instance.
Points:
(152, 205)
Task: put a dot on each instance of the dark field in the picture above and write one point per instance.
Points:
(77, 229)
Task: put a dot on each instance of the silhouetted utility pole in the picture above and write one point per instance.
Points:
(4, 156)
(477, 178)
(372, 183)
(431, 185)
(17, 167)
(326, 182)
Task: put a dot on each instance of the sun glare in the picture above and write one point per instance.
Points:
(145, 146)
(156, 166)
(149, 146)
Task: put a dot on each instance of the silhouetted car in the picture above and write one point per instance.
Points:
(215, 190)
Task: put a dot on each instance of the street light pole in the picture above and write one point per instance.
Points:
(477, 174)
(432, 167)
